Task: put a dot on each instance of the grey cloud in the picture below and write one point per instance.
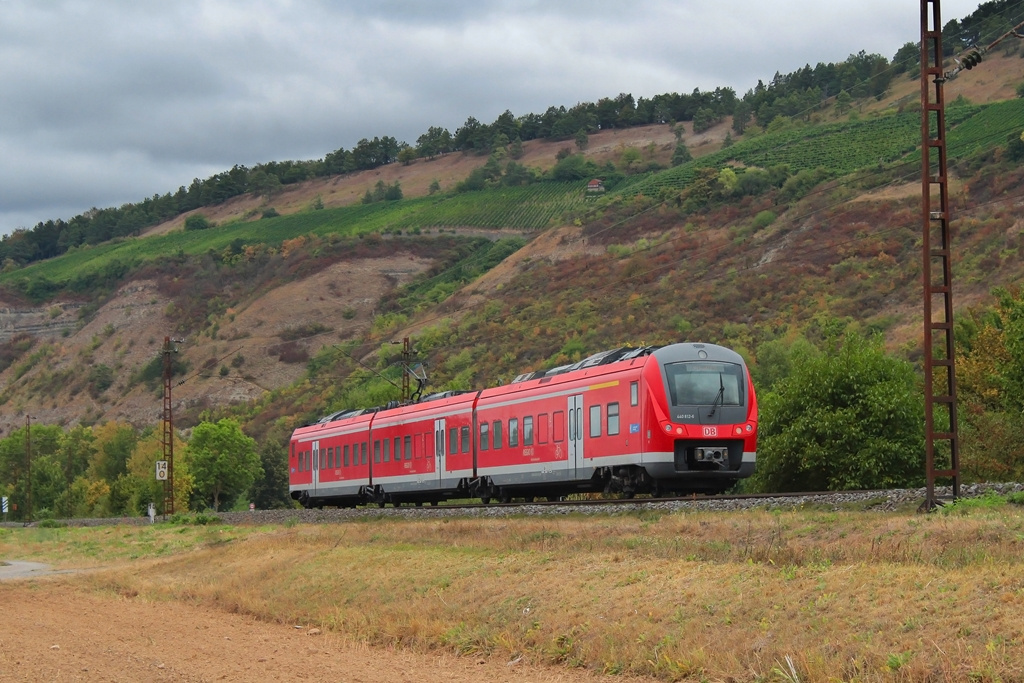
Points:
(109, 102)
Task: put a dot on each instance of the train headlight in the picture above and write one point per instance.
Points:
(750, 428)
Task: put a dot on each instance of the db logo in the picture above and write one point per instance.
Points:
(711, 431)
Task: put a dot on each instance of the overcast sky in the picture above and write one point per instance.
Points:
(104, 102)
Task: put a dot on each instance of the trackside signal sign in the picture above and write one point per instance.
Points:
(161, 470)
(3, 505)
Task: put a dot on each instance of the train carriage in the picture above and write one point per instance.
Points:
(423, 452)
(329, 460)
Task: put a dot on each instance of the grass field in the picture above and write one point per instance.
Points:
(783, 595)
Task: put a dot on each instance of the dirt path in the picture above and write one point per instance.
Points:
(55, 631)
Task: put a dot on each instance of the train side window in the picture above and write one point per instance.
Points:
(613, 419)
(407, 444)
(330, 458)
(322, 453)
(398, 448)
(558, 428)
(496, 432)
(513, 432)
(528, 430)
(346, 455)
(387, 450)
(542, 428)
(453, 440)
(376, 450)
(595, 421)
(362, 459)
(417, 450)
(465, 438)
(634, 393)
(485, 436)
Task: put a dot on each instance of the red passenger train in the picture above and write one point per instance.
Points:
(662, 420)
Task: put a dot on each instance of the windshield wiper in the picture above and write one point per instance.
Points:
(719, 397)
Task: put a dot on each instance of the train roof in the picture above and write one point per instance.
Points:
(608, 357)
(600, 358)
(345, 414)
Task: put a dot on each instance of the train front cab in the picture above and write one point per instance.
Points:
(701, 418)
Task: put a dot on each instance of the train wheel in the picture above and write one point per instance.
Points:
(504, 496)
(485, 499)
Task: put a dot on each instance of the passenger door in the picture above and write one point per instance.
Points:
(316, 465)
(575, 432)
(439, 447)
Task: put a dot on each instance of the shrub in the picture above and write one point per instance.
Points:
(197, 221)
(851, 418)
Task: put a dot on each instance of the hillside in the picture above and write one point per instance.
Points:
(259, 302)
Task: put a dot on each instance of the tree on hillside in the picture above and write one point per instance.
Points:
(681, 155)
(582, 139)
(843, 101)
(515, 148)
(741, 117)
(223, 462)
(851, 418)
(406, 156)
(263, 184)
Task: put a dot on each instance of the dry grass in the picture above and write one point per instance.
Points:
(795, 595)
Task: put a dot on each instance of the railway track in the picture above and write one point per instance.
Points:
(881, 500)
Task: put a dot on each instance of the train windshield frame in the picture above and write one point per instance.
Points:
(705, 383)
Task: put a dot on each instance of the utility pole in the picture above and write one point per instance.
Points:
(942, 441)
(168, 423)
(28, 467)
(406, 357)
(936, 248)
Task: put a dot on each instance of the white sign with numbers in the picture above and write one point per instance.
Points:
(161, 470)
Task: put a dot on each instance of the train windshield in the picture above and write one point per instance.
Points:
(701, 383)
